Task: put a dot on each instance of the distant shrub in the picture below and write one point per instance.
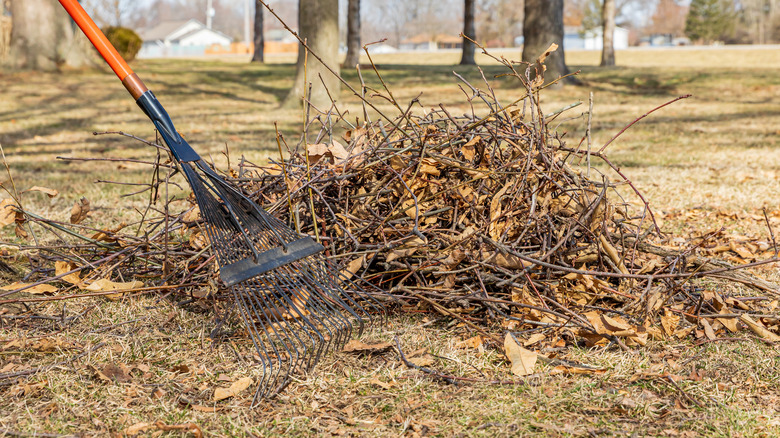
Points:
(126, 41)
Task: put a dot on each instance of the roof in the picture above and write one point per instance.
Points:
(162, 30)
(194, 31)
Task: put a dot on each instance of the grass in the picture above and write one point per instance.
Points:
(706, 162)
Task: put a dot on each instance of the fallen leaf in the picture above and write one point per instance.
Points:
(523, 361)
(192, 428)
(352, 267)
(472, 342)
(136, 429)
(79, 211)
(708, 331)
(534, 338)
(422, 361)
(759, 328)
(237, 387)
(338, 151)
(181, 368)
(61, 267)
(37, 289)
(669, 322)
(381, 384)
(356, 346)
(8, 209)
(105, 285)
(118, 372)
(49, 192)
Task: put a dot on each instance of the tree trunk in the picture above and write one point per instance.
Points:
(259, 37)
(542, 26)
(608, 33)
(468, 30)
(353, 34)
(318, 21)
(44, 37)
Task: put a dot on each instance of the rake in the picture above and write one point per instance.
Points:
(294, 304)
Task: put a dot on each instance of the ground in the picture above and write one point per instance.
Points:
(705, 162)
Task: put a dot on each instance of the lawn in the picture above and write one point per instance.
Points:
(705, 162)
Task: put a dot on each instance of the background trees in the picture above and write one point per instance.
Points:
(543, 25)
(709, 20)
(44, 38)
(608, 33)
(318, 21)
(467, 58)
(259, 36)
(353, 34)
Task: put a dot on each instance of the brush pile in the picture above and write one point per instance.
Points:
(490, 218)
(486, 217)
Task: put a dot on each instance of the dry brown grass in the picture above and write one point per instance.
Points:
(706, 162)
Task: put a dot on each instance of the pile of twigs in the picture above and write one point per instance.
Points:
(490, 218)
(487, 217)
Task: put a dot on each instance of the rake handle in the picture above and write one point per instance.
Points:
(144, 97)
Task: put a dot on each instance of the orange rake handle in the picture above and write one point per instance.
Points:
(130, 80)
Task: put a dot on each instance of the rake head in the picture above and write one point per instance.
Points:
(294, 304)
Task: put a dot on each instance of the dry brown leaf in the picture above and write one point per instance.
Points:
(352, 267)
(8, 209)
(533, 339)
(472, 342)
(192, 215)
(429, 166)
(20, 232)
(234, 389)
(61, 267)
(49, 192)
(192, 428)
(423, 360)
(79, 211)
(381, 384)
(105, 236)
(338, 151)
(119, 372)
(759, 328)
(523, 361)
(669, 322)
(553, 47)
(359, 347)
(105, 285)
(469, 149)
(708, 331)
(137, 428)
(37, 289)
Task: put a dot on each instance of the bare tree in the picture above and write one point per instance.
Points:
(608, 33)
(318, 21)
(112, 12)
(44, 38)
(259, 37)
(468, 31)
(542, 26)
(353, 34)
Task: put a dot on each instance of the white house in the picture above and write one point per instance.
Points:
(179, 38)
(575, 38)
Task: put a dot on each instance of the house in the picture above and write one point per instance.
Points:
(432, 42)
(575, 38)
(180, 38)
